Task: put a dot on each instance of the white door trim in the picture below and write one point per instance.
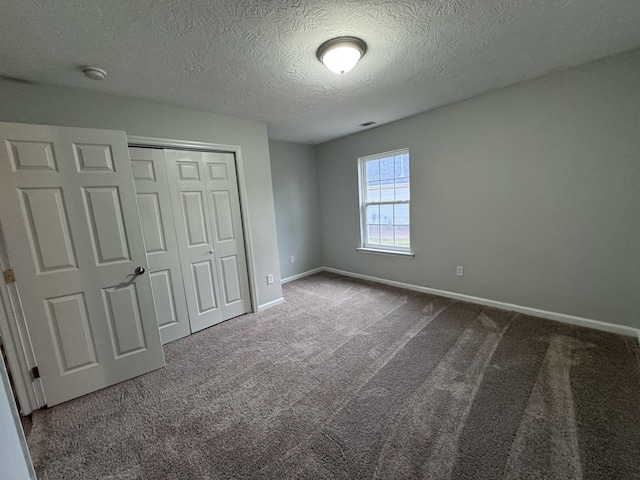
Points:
(138, 141)
(15, 337)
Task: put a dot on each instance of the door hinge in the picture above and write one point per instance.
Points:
(35, 373)
(9, 276)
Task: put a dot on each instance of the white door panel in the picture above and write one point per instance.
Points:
(164, 297)
(185, 170)
(48, 228)
(204, 190)
(195, 222)
(104, 214)
(74, 242)
(231, 282)
(205, 286)
(123, 309)
(228, 241)
(156, 216)
(152, 224)
(73, 339)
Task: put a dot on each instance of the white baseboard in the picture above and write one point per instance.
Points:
(302, 275)
(559, 317)
(268, 305)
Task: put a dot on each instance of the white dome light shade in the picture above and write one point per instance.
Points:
(341, 54)
(341, 59)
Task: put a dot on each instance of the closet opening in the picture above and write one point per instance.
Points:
(190, 200)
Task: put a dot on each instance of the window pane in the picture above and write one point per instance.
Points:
(386, 169)
(373, 170)
(402, 236)
(373, 192)
(402, 189)
(386, 215)
(401, 166)
(386, 234)
(401, 214)
(373, 214)
(386, 191)
(373, 232)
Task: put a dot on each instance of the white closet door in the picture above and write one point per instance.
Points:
(195, 242)
(228, 240)
(154, 204)
(67, 206)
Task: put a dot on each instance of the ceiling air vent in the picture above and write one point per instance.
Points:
(367, 124)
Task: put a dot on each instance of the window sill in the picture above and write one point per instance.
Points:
(377, 251)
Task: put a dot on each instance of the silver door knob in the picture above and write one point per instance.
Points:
(211, 252)
(139, 270)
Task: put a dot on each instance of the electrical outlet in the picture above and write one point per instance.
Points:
(460, 271)
(270, 279)
(293, 258)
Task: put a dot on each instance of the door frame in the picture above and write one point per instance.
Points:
(17, 343)
(154, 142)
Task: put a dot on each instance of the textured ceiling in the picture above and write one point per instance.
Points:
(256, 58)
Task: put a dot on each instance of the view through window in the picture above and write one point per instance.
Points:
(384, 201)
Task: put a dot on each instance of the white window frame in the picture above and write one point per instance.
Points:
(362, 184)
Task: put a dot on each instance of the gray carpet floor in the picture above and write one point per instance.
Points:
(353, 380)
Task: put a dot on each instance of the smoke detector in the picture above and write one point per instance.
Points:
(94, 73)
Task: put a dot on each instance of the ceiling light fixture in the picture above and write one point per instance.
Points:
(94, 73)
(341, 54)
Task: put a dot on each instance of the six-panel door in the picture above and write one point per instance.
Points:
(193, 229)
(228, 241)
(154, 204)
(206, 207)
(74, 242)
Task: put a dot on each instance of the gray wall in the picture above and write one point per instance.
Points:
(295, 192)
(78, 108)
(534, 189)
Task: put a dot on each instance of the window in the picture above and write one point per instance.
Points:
(384, 202)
